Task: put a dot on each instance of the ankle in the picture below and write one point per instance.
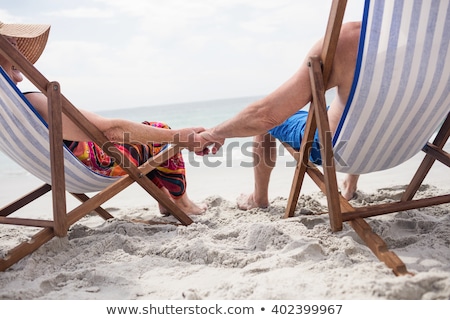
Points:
(349, 187)
(262, 201)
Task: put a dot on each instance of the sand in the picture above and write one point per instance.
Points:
(229, 254)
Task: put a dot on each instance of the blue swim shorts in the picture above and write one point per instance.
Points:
(291, 132)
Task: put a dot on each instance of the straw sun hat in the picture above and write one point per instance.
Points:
(31, 38)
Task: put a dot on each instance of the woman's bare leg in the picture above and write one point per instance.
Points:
(349, 186)
(185, 204)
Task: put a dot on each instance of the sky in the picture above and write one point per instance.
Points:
(115, 54)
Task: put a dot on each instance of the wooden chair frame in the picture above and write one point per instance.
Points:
(62, 219)
(339, 209)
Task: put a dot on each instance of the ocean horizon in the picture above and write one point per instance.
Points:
(205, 113)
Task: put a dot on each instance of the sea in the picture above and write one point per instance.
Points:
(189, 114)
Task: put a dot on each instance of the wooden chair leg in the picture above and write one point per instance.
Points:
(57, 159)
(439, 142)
(23, 201)
(296, 186)
(375, 243)
(27, 247)
(325, 137)
(302, 158)
(378, 246)
(99, 210)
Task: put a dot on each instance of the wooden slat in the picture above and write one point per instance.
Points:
(437, 153)
(362, 228)
(109, 192)
(57, 159)
(300, 169)
(25, 248)
(428, 161)
(378, 246)
(325, 137)
(99, 210)
(332, 36)
(376, 210)
(98, 199)
(327, 56)
(41, 223)
(23, 201)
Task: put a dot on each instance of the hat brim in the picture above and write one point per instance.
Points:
(31, 38)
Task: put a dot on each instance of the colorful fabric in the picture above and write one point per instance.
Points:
(171, 174)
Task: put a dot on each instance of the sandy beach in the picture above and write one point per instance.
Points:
(229, 254)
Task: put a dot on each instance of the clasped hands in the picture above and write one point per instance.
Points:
(200, 140)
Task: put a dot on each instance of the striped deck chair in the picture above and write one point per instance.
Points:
(38, 147)
(399, 99)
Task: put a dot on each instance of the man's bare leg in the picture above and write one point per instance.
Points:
(264, 158)
(349, 186)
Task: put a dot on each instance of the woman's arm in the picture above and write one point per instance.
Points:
(116, 130)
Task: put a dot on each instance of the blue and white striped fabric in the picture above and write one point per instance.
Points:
(24, 138)
(401, 91)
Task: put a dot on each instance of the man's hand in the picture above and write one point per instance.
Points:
(208, 143)
(187, 138)
(198, 140)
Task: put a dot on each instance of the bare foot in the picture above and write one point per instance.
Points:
(189, 207)
(163, 210)
(349, 185)
(348, 194)
(247, 202)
